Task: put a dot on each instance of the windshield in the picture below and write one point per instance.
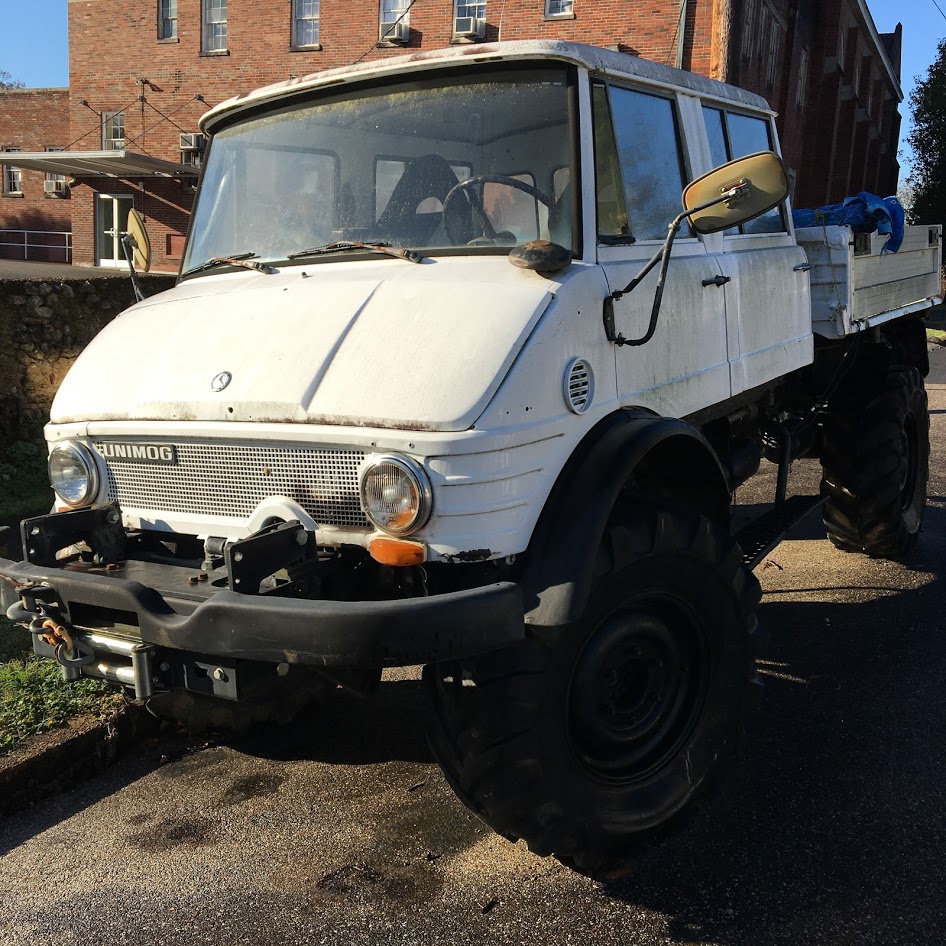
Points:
(460, 161)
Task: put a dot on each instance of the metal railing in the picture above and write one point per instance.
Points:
(41, 246)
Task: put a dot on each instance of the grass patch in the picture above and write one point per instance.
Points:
(24, 482)
(936, 335)
(33, 696)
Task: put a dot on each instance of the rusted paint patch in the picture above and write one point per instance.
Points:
(473, 555)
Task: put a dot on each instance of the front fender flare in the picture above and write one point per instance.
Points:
(561, 558)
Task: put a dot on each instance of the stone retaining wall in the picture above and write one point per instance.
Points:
(44, 324)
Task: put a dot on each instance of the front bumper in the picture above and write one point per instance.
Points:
(339, 634)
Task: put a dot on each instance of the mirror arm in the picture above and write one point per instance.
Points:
(127, 244)
(662, 256)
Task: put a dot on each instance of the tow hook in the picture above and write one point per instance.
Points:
(62, 643)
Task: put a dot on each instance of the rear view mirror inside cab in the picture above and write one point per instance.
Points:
(760, 183)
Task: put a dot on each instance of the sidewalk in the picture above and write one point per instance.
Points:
(17, 269)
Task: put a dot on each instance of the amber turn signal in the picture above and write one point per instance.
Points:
(397, 552)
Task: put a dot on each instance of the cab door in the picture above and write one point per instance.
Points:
(640, 174)
(768, 308)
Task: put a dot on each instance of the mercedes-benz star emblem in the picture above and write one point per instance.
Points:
(221, 381)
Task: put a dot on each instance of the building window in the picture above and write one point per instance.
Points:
(113, 131)
(395, 21)
(214, 26)
(842, 52)
(762, 37)
(12, 182)
(771, 68)
(305, 23)
(748, 21)
(559, 7)
(55, 183)
(167, 19)
(802, 80)
(470, 19)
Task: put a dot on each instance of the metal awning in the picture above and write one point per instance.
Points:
(125, 164)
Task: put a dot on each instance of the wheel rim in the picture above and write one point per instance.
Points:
(910, 446)
(638, 689)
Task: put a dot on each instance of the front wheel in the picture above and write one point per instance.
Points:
(875, 460)
(586, 740)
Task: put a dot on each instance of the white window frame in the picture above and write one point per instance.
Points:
(214, 31)
(771, 67)
(167, 19)
(747, 24)
(110, 120)
(765, 18)
(559, 8)
(305, 18)
(474, 9)
(12, 177)
(55, 177)
(391, 14)
(802, 86)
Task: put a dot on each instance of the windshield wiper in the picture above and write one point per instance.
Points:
(239, 259)
(377, 246)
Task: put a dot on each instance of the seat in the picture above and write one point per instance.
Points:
(426, 177)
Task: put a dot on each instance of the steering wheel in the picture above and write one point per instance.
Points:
(489, 234)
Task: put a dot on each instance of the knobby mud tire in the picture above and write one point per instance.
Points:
(875, 463)
(560, 740)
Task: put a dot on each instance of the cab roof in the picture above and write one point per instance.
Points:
(593, 58)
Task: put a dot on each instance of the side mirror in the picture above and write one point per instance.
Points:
(759, 182)
(138, 238)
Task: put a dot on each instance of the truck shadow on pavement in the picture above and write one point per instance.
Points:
(834, 828)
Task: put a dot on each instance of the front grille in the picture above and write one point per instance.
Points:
(231, 480)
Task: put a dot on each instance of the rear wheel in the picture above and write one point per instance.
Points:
(587, 740)
(875, 461)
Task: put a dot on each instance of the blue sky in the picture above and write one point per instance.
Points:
(35, 49)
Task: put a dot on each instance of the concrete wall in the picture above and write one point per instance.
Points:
(44, 324)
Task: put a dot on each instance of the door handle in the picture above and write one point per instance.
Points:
(802, 267)
(717, 281)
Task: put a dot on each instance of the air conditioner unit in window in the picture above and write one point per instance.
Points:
(54, 187)
(395, 32)
(471, 26)
(192, 141)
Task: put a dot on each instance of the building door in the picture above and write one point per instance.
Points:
(111, 221)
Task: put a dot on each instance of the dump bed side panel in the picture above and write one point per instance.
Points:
(853, 281)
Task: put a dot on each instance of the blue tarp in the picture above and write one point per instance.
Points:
(863, 213)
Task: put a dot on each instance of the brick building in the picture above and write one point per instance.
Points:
(132, 113)
(34, 202)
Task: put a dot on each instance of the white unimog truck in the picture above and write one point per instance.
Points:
(409, 403)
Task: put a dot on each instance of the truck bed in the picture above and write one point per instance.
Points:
(855, 286)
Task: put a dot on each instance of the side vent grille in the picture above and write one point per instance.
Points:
(579, 386)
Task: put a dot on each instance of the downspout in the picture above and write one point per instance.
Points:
(681, 32)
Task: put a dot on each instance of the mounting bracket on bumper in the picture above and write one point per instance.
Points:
(99, 526)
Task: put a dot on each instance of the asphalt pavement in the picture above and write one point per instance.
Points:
(831, 831)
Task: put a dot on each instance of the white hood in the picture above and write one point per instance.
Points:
(379, 343)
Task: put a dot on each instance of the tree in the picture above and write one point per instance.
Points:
(928, 140)
(8, 82)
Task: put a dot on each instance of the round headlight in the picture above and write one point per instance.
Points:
(396, 494)
(73, 473)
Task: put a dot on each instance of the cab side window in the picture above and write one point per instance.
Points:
(650, 158)
(732, 136)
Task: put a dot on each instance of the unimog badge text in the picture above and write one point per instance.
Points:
(163, 453)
